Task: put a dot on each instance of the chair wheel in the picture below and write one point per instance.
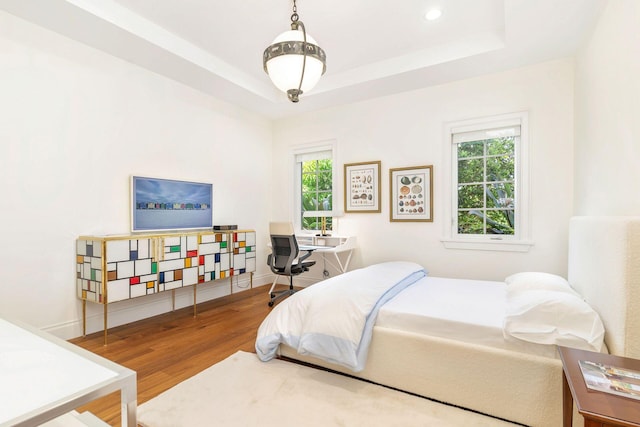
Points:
(270, 303)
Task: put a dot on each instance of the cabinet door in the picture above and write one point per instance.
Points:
(89, 270)
(213, 259)
(178, 265)
(244, 252)
(132, 270)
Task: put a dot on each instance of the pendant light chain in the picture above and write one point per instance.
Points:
(295, 23)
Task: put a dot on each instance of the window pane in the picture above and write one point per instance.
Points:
(469, 223)
(500, 168)
(500, 146)
(500, 196)
(470, 149)
(325, 165)
(470, 196)
(309, 223)
(470, 170)
(324, 181)
(309, 182)
(325, 203)
(500, 222)
(309, 202)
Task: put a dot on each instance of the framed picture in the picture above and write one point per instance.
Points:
(362, 187)
(411, 191)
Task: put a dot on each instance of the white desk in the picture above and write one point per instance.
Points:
(336, 250)
(42, 377)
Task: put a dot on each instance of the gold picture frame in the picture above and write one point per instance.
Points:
(411, 194)
(362, 187)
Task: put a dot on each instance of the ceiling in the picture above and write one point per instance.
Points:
(374, 47)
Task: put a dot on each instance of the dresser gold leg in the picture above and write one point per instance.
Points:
(195, 310)
(84, 317)
(105, 324)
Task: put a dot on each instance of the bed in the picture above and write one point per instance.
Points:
(519, 382)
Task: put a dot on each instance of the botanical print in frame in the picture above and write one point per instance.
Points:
(411, 192)
(362, 187)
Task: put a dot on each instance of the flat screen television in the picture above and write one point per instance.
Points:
(165, 204)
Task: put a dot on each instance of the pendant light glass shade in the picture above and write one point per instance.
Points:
(285, 69)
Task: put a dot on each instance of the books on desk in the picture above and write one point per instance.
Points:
(610, 379)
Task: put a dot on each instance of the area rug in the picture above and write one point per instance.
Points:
(243, 391)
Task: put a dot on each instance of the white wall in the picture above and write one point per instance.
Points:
(407, 129)
(75, 123)
(607, 179)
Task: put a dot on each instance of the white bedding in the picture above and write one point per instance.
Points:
(467, 310)
(333, 320)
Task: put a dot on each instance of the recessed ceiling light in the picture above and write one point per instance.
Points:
(433, 14)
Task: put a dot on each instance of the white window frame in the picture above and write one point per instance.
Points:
(302, 151)
(521, 240)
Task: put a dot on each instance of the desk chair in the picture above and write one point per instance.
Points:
(285, 259)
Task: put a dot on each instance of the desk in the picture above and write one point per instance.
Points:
(44, 377)
(599, 409)
(335, 250)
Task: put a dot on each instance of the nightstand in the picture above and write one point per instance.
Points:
(599, 409)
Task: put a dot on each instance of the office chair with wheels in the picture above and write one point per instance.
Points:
(285, 259)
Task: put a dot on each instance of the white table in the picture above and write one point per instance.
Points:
(339, 248)
(42, 377)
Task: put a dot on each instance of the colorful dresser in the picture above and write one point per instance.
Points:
(118, 268)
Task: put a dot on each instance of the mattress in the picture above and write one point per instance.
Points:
(471, 311)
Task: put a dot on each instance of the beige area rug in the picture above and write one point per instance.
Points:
(243, 391)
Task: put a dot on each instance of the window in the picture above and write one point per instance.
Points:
(488, 184)
(314, 182)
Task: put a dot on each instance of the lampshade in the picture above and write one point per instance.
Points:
(325, 214)
(293, 61)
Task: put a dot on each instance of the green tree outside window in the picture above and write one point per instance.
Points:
(486, 186)
(317, 192)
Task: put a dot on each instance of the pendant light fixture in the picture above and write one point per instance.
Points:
(294, 62)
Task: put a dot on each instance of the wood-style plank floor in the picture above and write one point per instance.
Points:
(167, 349)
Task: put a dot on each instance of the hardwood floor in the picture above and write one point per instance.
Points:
(167, 349)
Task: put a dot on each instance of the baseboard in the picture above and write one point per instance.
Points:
(124, 312)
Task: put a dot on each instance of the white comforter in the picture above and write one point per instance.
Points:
(333, 320)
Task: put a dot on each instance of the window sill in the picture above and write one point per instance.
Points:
(499, 245)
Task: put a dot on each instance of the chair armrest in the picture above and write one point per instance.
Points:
(305, 256)
(270, 260)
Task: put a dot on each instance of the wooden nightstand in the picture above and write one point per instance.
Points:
(599, 409)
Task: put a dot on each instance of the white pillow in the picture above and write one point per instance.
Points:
(550, 317)
(532, 280)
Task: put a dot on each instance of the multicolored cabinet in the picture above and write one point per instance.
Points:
(117, 268)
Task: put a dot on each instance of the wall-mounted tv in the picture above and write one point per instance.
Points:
(164, 204)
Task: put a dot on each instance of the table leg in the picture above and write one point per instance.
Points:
(128, 400)
(567, 403)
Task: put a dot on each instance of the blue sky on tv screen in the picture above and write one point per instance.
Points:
(166, 191)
